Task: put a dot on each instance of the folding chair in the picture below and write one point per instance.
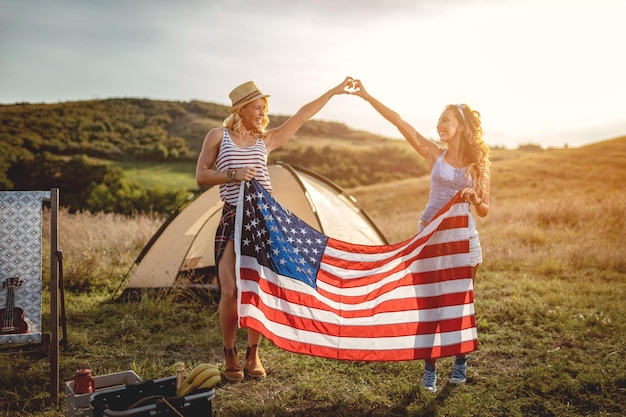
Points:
(21, 276)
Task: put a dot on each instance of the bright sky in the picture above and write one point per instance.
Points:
(546, 72)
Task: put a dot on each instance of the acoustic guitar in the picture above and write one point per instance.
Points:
(12, 317)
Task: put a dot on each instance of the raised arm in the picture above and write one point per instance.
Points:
(277, 137)
(425, 147)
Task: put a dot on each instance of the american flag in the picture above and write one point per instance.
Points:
(312, 294)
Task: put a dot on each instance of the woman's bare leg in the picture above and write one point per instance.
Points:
(227, 310)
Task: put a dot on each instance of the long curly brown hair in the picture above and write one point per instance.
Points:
(474, 150)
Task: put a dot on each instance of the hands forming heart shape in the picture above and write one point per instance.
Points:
(352, 86)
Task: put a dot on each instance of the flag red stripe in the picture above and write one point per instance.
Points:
(361, 355)
(432, 251)
(420, 278)
(449, 223)
(370, 331)
(411, 303)
(429, 251)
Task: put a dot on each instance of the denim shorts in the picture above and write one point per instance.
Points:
(476, 252)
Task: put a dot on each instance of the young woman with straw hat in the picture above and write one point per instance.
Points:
(238, 152)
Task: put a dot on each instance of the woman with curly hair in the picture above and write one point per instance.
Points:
(237, 152)
(462, 165)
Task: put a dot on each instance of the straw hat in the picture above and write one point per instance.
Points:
(244, 94)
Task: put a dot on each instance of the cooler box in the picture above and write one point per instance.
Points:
(78, 404)
(155, 397)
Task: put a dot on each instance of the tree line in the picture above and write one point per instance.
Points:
(65, 145)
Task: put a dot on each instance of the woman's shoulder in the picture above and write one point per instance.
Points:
(215, 135)
(217, 132)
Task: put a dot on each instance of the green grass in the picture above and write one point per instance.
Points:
(549, 306)
(170, 175)
(548, 346)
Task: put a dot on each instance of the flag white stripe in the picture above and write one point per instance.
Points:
(441, 236)
(392, 318)
(424, 265)
(362, 343)
(412, 291)
(418, 290)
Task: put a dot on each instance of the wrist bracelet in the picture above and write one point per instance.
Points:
(230, 175)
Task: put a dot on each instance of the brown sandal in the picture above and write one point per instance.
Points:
(233, 371)
(253, 367)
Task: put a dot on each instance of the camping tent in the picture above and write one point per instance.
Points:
(183, 246)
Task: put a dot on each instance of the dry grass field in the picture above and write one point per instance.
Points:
(564, 206)
(549, 301)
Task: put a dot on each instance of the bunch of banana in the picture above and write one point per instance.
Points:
(205, 375)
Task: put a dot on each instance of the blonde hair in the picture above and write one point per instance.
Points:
(474, 150)
(234, 123)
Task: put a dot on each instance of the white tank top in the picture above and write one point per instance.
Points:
(232, 156)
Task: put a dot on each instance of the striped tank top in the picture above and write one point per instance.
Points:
(232, 156)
